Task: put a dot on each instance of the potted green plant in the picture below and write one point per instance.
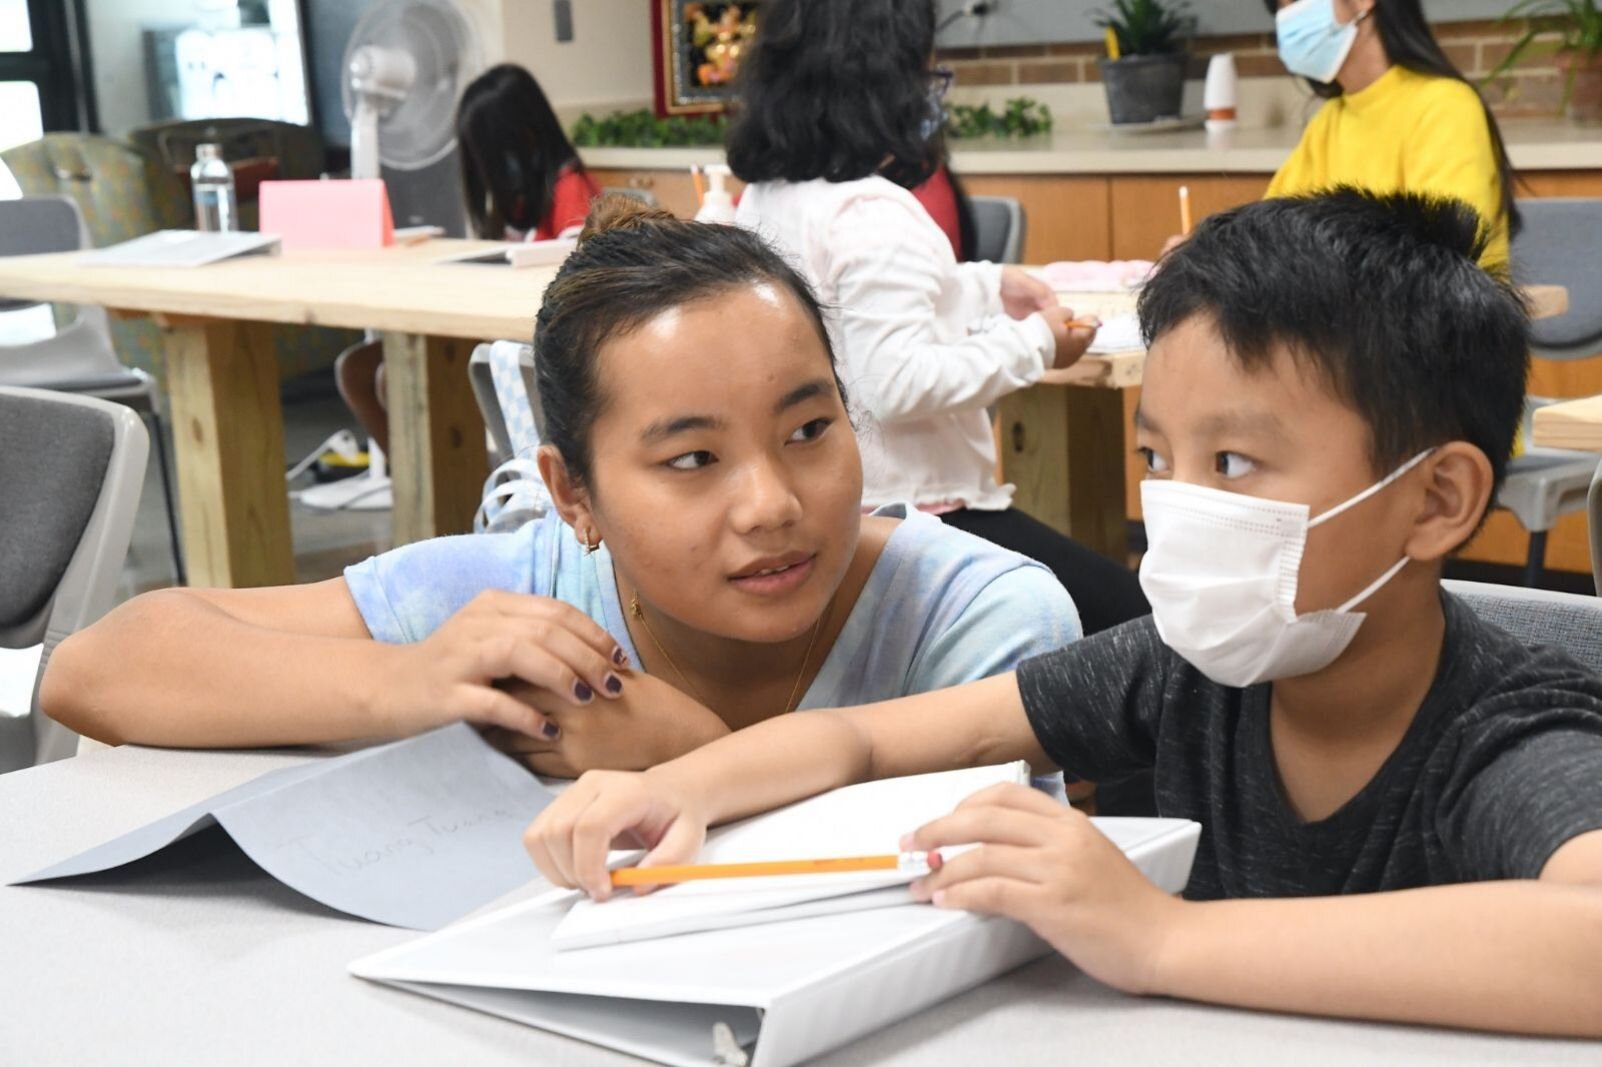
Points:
(1571, 31)
(1144, 75)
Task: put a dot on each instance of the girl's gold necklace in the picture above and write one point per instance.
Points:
(639, 613)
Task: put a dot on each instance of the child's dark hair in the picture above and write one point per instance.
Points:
(833, 88)
(1380, 295)
(512, 151)
(634, 262)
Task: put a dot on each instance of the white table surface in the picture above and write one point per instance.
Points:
(199, 958)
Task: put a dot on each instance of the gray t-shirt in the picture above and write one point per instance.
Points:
(1501, 765)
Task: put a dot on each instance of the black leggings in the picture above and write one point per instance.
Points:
(1106, 593)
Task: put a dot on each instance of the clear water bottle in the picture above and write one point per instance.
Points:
(216, 208)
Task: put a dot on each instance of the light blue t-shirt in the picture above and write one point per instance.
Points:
(940, 608)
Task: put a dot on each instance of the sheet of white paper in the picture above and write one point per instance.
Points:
(859, 820)
(179, 248)
(1118, 333)
(416, 833)
(19, 669)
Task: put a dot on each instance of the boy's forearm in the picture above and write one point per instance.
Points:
(808, 752)
(1506, 956)
(771, 764)
(171, 669)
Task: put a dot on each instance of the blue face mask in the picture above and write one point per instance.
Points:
(1312, 41)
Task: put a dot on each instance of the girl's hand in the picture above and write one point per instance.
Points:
(461, 670)
(1023, 294)
(650, 723)
(1045, 865)
(1072, 341)
(613, 809)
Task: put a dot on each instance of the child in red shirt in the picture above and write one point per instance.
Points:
(522, 180)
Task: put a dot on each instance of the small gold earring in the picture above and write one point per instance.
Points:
(590, 547)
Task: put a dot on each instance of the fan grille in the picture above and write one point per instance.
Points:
(420, 129)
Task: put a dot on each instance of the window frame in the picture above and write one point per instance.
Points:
(57, 65)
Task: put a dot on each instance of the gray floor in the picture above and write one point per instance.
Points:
(325, 542)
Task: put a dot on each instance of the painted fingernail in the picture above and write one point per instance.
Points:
(550, 730)
(583, 692)
(935, 859)
(614, 684)
(620, 657)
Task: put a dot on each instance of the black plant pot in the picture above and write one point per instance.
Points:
(1144, 88)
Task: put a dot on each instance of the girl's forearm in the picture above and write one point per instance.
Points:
(169, 668)
(1506, 956)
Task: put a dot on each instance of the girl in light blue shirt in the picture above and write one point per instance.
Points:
(706, 564)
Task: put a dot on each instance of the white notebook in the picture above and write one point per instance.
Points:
(859, 820)
(783, 992)
(180, 248)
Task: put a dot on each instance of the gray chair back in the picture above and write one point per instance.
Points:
(37, 224)
(1558, 246)
(71, 470)
(998, 229)
(1540, 617)
(80, 356)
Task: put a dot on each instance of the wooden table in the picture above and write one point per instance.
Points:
(1570, 424)
(1065, 442)
(223, 381)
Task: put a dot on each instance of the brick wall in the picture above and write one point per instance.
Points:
(1534, 88)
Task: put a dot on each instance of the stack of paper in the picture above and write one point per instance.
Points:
(180, 248)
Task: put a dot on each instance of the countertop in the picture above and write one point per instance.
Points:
(1534, 145)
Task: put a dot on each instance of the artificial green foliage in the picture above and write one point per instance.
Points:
(1573, 26)
(642, 129)
(1148, 27)
(1019, 117)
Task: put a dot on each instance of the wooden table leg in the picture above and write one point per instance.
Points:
(1063, 447)
(438, 461)
(228, 436)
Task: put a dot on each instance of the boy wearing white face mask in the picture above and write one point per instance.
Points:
(1401, 803)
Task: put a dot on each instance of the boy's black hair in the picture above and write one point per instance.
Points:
(1380, 295)
(838, 89)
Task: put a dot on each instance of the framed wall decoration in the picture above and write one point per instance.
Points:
(697, 50)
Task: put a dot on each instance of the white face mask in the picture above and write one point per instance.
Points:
(1312, 41)
(1221, 571)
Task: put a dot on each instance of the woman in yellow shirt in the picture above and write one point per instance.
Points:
(1398, 114)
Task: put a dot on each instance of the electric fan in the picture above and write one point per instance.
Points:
(405, 67)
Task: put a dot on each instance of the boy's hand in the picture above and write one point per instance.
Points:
(1045, 865)
(459, 671)
(1023, 294)
(650, 723)
(613, 809)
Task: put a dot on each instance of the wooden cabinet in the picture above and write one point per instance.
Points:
(1065, 216)
(673, 189)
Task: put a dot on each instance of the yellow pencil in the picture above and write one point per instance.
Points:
(1113, 51)
(1184, 210)
(700, 185)
(909, 862)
